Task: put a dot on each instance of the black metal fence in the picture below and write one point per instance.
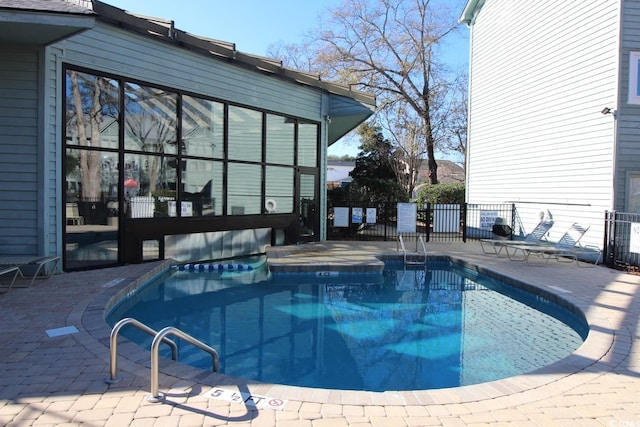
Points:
(434, 222)
(622, 240)
(463, 222)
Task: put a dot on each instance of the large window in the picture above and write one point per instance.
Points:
(243, 189)
(280, 140)
(135, 151)
(245, 134)
(91, 169)
(202, 127)
(308, 145)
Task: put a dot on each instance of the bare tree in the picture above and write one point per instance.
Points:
(455, 119)
(389, 47)
(150, 122)
(88, 106)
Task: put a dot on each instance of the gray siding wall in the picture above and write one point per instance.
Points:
(19, 152)
(628, 157)
(541, 72)
(115, 51)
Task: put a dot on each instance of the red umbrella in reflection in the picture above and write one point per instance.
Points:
(131, 183)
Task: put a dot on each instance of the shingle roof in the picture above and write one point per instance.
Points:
(60, 6)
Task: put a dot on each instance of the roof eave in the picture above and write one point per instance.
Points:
(166, 31)
(470, 11)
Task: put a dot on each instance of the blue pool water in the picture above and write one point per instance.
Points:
(409, 329)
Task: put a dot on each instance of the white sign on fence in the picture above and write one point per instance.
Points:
(371, 215)
(487, 219)
(340, 217)
(407, 215)
(356, 215)
(634, 238)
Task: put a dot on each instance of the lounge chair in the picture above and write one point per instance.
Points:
(6, 271)
(567, 248)
(29, 266)
(73, 215)
(496, 246)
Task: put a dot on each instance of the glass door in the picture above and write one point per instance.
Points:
(308, 225)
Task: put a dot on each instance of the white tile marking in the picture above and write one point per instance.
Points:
(260, 402)
(57, 332)
(556, 288)
(113, 282)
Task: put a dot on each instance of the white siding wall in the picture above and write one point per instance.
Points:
(19, 198)
(541, 72)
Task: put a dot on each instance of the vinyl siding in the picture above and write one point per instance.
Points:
(541, 72)
(19, 151)
(628, 156)
(121, 53)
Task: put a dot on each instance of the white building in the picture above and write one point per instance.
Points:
(553, 113)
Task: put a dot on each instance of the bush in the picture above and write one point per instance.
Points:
(442, 193)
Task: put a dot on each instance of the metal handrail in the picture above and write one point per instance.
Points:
(156, 396)
(424, 248)
(404, 250)
(113, 345)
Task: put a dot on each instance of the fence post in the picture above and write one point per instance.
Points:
(463, 215)
(428, 221)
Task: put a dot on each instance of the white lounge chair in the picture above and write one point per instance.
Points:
(496, 246)
(29, 266)
(6, 271)
(567, 248)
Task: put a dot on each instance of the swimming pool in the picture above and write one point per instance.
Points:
(407, 329)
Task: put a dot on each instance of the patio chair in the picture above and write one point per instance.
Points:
(73, 215)
(13, 271)
(567, 248)
(496, 246)
(29, 266)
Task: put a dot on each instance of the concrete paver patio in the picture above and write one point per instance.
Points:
(60, 380)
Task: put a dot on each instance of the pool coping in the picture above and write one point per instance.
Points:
(596, 350)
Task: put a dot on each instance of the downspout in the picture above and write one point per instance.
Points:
(616, 113)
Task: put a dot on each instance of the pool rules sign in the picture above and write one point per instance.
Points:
(634, 238)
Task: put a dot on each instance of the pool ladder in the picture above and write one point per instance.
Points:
(423, 261)
(158, 337)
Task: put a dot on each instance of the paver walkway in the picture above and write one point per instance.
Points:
(60, 380)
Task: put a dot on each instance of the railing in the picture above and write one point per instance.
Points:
(113, 345)
(156, 396)
(621, 240)
(404, 251)
(158, 338)
(434, 222)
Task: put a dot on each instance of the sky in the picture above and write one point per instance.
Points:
(255, 25)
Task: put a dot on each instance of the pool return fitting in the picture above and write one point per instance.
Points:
(158, 337)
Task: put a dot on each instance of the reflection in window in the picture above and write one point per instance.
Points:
(307, 144)
(202, 186)
(149, 184)
(150, 119)
(244, 189)
(245, 134)
(280, 140)
(202, 127)
(279, 190)
(89, 124)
